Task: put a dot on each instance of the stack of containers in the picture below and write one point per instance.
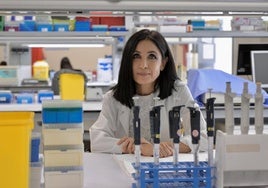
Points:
(44, 23)
(82, 23)
(28, 24)
(63, 143)
(60, 23)
(12, 23)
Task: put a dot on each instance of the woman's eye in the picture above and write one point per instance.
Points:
(152, 57)
(135, 56)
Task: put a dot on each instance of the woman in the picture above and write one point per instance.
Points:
(147, 71)
(65, 63)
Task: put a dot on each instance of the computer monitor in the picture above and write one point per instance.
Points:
(259, 64)
(244, 59)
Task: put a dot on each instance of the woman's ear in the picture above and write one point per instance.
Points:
(163, 64)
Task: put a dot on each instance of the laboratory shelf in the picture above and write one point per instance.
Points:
(218, 34)
(166, 174)
(108, 36)
(62, 37)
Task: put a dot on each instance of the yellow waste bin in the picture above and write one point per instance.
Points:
(15, 140)
(72, 86)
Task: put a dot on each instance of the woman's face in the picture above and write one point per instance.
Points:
(147, 64)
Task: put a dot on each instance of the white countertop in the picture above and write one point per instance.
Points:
(37, 107)
(104, 170)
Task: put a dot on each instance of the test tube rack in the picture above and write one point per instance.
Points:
(166, 174)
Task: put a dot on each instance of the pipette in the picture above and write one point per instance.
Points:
(155, 129)
(229, 109)
(137, 137)
(259, 110)
(195, 132)
(245, 109)
(210, 128)
(174, 131)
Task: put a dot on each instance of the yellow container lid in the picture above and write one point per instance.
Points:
(17, 118)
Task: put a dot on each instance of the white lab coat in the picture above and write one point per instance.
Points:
(113, 122)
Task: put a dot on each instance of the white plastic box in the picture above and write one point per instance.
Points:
(68, 136)
(64, 179)
(65, 157)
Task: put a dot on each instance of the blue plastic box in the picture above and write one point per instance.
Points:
(62, 115)
(6, 97)
(27, 25)
(99, 27)
(117, 28)
(61, 27)
(25, 98)
(44, 27)
(35, 142)
(82, 26)
(45, 95)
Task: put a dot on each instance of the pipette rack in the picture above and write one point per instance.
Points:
(166, 174)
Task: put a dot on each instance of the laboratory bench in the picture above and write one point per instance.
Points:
(108, 170)
(92, 108)
(111, 170)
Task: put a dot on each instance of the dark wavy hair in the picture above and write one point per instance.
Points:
(125, 88)
(65, 63)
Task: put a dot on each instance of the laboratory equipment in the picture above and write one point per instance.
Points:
(137, 136)
(229, 114)
(155, 129)
(175, 131)
(195, 132)
(245, 109)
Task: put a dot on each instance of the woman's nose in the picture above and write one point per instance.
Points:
(144, 64)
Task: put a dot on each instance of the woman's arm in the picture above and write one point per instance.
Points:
(103, 131)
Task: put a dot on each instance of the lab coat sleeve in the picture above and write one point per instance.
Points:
(102, 132)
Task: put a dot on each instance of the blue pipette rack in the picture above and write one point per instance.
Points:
(166, 174)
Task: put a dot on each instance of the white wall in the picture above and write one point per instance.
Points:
(224, 48)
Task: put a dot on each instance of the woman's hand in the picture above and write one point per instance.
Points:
(127, 145)
(146, 148)
(165, 148)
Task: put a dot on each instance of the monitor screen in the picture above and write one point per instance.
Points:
(259, 64)
(244, 59)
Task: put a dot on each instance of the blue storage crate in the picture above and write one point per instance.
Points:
(75, 115)
(166, 174)
(82, 26)
(35, 142)
(45, 95)
(99, 27)
(6, 97)
(27, 25)
(61, 27)
(117, 28)
(62, 115)
(44, 27)
(49, 115)
(25, 98)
